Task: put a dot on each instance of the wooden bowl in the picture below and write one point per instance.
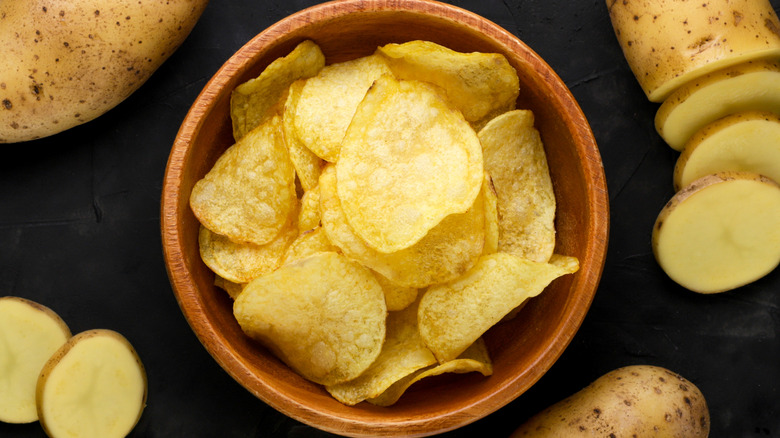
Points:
(522, 350)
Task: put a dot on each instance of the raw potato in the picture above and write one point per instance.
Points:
(93, 386)
(633, 401)
(29, 334)
(720, 232)
(748, 141)
(668, 43)
(66, 62)
(753, 86)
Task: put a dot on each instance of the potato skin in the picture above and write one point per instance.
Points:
(633, 401)
(66, 62)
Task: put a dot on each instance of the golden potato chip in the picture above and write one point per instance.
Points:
(407, 161)
(491, 216)
(515, 159)
(249, 194)
(402, 353)
(309, 214)
(480, 85)
(308, 243)
(325, 103)
(233, 289)
(251, 101)
(323, 315)
(474, 359)
(396, 297)
(243, 262)
(307, 164)
(446, 252)
(452, 316)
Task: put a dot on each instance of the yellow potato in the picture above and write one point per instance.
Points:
(672, 42)
(66, 62)
(446, 252)
(29, 334)
(249, 194)
(324, 104)
(323, 315)
(251, 101)
(515, 159)
(633, 401)
(94, 385)
(480, 85)
(454, 315)
(720, 232)
(747, 142)
(408, 160)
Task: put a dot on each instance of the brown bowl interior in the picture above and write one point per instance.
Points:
(522, 350)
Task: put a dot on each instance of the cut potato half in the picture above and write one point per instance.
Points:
(748, 141)
(29, 334)
(93, 386)
(720, 232)
(668, 43)
(752, 86)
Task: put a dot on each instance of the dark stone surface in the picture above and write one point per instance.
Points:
(79, 232)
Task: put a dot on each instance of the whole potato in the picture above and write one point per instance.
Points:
(66, 62)
(633, 401)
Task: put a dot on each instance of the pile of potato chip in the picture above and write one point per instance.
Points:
(376, 217)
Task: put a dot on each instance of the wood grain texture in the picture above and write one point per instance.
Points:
(523, 349)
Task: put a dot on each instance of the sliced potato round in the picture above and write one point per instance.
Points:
(752, 86)
(720, 232)
(323, 315)
(93, 386)
(746, 142)
(29, 334)
(408, 160)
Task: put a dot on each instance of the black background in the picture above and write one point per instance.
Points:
(79, 233)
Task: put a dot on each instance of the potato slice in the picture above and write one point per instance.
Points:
(407, 161)
(309, 214)
(747, 142)
(454, 315)
(307, 164)
(251, 101)
(249, 194)
(475, 359)
(720, 232)
(308, 243)
(446, 252)
(29, 334)
(753, 86)
(480, 85)
(515, 159)
(323, 315)
(94, 385)
(324, 104)
(668, 43)
(491, 216)
(232, 289)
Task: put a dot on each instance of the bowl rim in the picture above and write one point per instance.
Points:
(185, 290)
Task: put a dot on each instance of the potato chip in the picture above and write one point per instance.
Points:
(515, 159)
(407, 161)
(491, 216)
(446, 252)
(249, 194)
(480, 85)
(323, 315)
(307, 164)
(475, 359)
(325, 103)
(309, 214)
(251, 101)
(452, 316)
(402, 353)
(396, 297)
(232, 289)
(308, 243)
(243, 262)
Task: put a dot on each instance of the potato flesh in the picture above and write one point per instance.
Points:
(96, 388)
(743, 142)
(29, 335)
(754, 87)
(668, 43)
(719, 233)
